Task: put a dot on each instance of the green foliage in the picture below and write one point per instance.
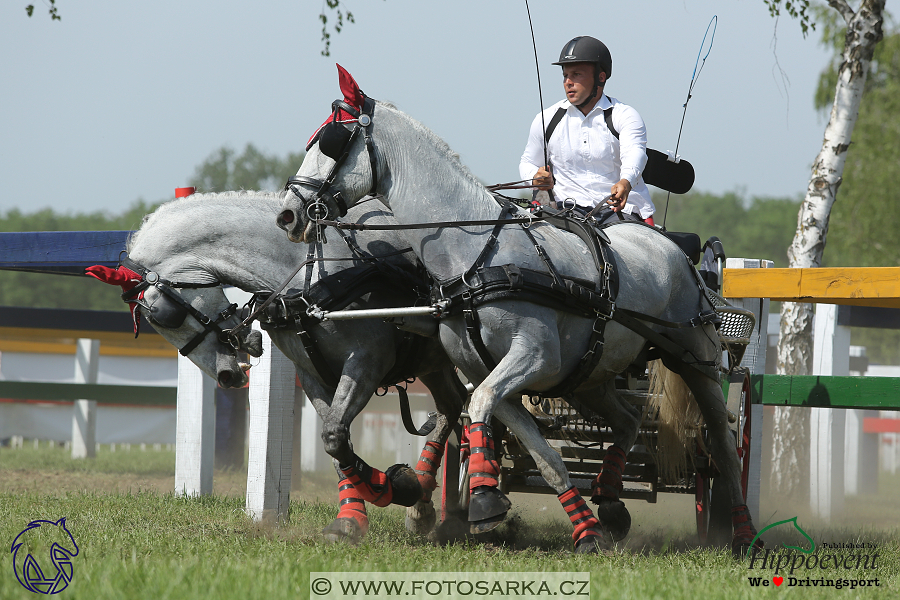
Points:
(796, 9)
(251, 170)
(760, 228)
(52, 9)
(335, 6)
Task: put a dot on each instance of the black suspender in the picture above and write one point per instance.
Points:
(557, 117)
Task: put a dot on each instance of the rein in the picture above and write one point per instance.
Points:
(435, 224)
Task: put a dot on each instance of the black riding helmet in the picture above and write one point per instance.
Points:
(585, 48)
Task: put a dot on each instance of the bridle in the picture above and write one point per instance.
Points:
(335, 142)
(172, 317)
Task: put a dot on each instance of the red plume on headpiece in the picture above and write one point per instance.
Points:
(123, 277)
(352, 96)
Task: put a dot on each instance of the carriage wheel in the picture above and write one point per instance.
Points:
(701, 505)
(455, 477)
(714, 527)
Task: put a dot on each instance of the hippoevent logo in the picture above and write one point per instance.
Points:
(818, 565)
(42, 556)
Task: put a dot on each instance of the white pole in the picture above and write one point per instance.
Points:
(84, 412)
(195, 430)
(831, 357)
(272, 383)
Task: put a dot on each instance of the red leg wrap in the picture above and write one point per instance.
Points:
(744, 531)
(483, 468)
(608, 483)
(371, 484)
(352, 504)
(580, 514)
(426, 468)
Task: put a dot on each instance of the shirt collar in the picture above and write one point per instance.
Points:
(602, 105)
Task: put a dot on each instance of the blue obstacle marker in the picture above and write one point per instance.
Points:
(60, 252)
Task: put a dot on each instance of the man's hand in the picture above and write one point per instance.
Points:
(619, 196)
(543, 180)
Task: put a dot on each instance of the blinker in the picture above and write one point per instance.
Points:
(333, 139)
(165, 312)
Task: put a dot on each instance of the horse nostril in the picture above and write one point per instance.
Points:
(287, 216)
(225, 378)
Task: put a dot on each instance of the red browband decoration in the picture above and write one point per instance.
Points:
(123, 277)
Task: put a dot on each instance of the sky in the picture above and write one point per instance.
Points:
(121, 101)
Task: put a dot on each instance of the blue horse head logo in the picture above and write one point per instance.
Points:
(39, 537)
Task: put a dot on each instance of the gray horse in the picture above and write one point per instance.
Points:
(374, 148)
(229, 238)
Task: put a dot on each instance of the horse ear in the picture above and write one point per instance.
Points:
(352, 94)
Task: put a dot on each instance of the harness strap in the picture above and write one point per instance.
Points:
(473, 328)
(667, 346)
(406, 416)
(312, 351)
(491, 242)
(208, 326)
(368, 110)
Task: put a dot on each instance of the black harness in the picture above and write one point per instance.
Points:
(335, 142)
(170, 310)
(480, 285)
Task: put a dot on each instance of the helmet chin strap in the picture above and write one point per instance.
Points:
(589, 98)
(597, 86)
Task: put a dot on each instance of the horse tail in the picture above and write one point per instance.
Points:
(679, 422)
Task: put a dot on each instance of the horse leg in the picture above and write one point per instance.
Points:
(529, 359)
(724, 452)
(624, 421)
(352, 521)
(588, 535)
(449, 395)
(399, 484)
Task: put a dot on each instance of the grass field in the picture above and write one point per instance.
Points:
(137, 540)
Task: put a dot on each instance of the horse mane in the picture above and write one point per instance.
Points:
(206, 203)
(442, 146)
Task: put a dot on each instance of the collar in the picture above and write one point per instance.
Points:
(603, 104)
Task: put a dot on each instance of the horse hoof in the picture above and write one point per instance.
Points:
(591, 544)
(487, 508)
(421, 517)
(614, 517)
(405, 483)
(344, 529)
(485, 525)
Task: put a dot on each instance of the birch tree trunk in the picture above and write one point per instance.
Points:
(864, 30)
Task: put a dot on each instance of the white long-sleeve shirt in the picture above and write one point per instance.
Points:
(587, 159)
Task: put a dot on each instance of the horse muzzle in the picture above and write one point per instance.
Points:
(230, 373)
(293, 226)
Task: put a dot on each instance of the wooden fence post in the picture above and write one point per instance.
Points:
(84, 412)
(271, 434)
(755, 360)
(195, 430)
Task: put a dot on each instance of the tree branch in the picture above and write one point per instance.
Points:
(842, 7)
